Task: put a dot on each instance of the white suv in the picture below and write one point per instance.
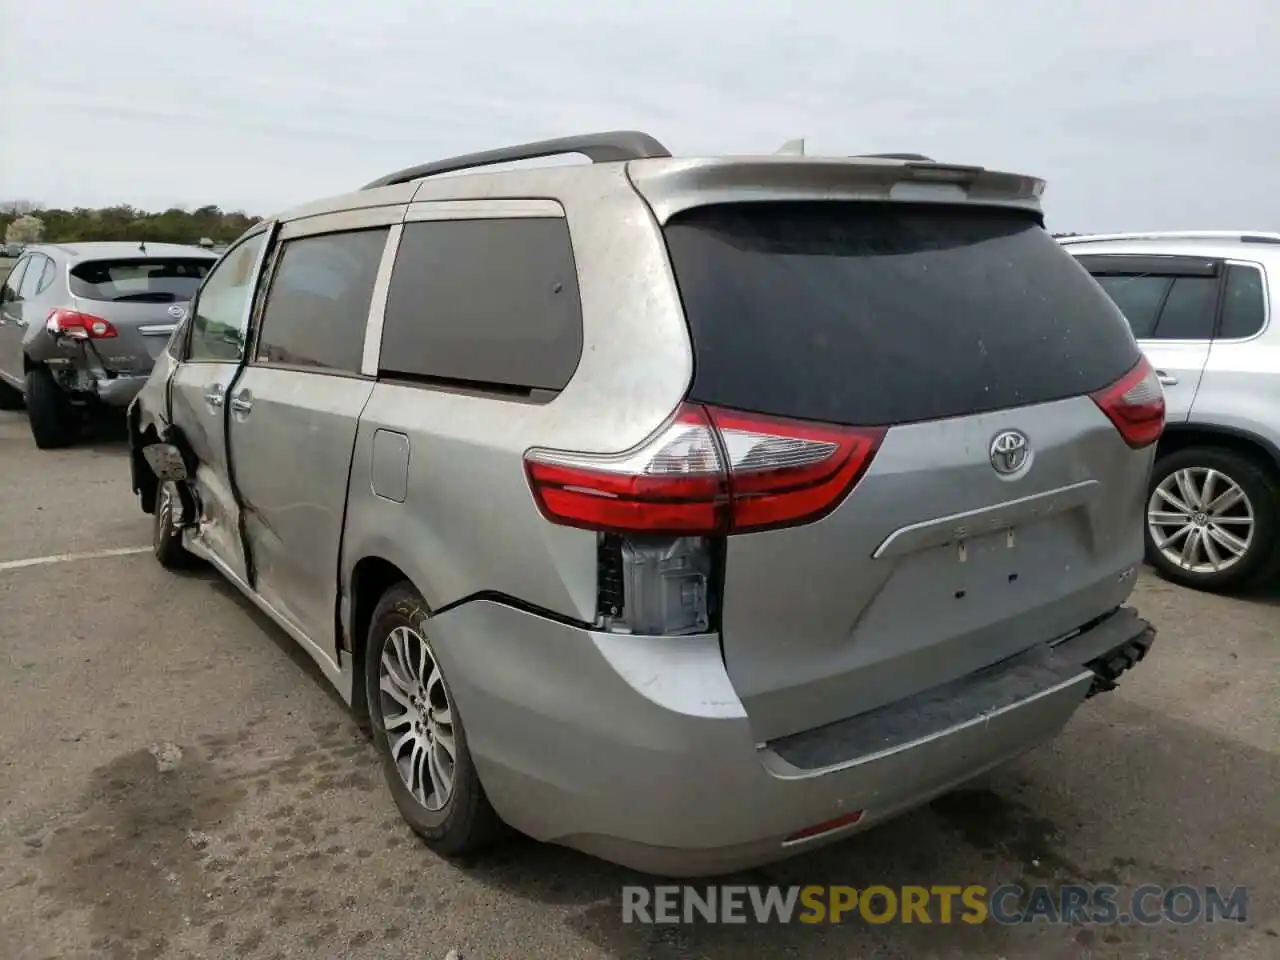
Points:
(1199, 305)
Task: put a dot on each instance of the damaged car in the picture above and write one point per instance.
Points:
(692, 513)
(82, 323)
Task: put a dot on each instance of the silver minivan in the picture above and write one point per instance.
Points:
(689, 512)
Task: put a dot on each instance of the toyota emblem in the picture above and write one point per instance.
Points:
(177, 311)
(1010, 451)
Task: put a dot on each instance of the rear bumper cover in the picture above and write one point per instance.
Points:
(636, 749)
(119, 391)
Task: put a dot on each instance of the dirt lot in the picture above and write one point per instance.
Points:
(177, 781)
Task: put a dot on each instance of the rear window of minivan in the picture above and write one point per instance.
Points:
(137, 280)
(880, 313)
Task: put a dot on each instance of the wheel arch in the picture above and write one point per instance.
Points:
(141, 432)
(1178, 437)
(371, 577)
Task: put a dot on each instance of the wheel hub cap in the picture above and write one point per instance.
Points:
(1201, 520)
(415, 711)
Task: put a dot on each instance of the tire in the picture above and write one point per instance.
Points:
(1248, 514)
(166, 529)
(53, 421)
(464, 823)
(10, 397)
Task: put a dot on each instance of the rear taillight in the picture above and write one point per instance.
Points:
(709, 472)
(1135, 404)
(78, 326)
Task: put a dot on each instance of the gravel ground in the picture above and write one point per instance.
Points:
(177, 780)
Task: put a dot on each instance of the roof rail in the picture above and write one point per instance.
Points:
(1240, 236)
(597, 147)
(920, 157)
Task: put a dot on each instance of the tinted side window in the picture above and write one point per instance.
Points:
(1244, 309)
(222, 305)
(1138, 298)
(47, 277)
(14, 280)
(318, 305)
(1189, 310)
(486, 302)
(31, 279)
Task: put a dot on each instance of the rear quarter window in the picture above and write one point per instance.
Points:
(875, 314)
(484, 303)
(1244, 304)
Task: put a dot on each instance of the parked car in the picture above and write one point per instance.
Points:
(1198, 303)
(81, 325)
(689, 512)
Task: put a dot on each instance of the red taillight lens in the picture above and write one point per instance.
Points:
(786, 472)
(674, 483)
(79, 326)
(1135, 404)
(709, 472)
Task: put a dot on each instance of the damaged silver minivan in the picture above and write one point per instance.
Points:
(689, 512)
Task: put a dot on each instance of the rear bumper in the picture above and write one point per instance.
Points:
(637, 750)
(119, 391)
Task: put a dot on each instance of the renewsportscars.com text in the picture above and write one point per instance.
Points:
(1100, 905)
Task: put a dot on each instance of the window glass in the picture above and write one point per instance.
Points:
(885, 313)
(1189, 310)
(47, 276)
(137, 280)
(31, 279)
(492, 303)
(1244, 310)
(14, 280)
(318, 306)
(1138, 298)
(221, 309)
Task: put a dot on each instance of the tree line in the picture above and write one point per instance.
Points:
(30, 223)
(128, 223)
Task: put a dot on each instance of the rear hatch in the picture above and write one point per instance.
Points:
(1000, 505)
(141, 299)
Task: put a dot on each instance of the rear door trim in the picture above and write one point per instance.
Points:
(991, 519)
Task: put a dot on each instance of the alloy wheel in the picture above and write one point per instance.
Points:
(1201, 520)
(418, 717)
(164, 510)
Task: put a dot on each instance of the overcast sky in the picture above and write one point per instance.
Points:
(1139, 113)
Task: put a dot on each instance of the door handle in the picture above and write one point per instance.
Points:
(242, 403)
(1166, 379)
(214, 397)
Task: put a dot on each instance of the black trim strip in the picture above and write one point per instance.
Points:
(493, 390)
(1130, 264)
(495, 596)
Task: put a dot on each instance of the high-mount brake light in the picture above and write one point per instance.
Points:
(709, 472)
(79, 326)
(1135, 404)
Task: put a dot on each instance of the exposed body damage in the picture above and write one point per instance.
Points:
(454, 441)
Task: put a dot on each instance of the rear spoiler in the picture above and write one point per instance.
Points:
(674, 185)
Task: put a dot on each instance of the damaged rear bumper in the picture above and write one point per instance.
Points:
(637, 749)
